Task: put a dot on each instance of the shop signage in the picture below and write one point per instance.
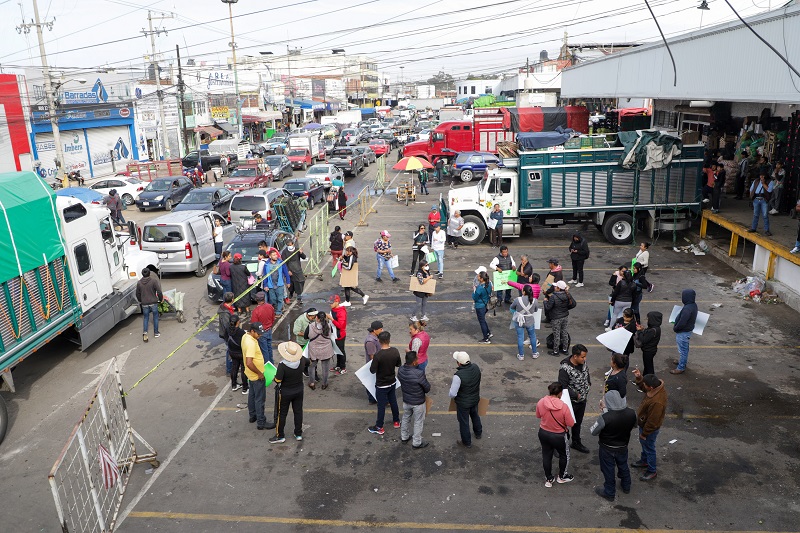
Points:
(220, 112)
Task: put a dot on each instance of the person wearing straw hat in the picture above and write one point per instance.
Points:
(466, 392)
(289, 380)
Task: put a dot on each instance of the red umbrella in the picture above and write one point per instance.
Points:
(412, 163)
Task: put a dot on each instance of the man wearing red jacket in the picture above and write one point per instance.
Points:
(339, 319)
(434, 218)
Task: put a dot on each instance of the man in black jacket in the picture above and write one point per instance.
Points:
(557, 305)
(415, 386)
(579, 252)
(614, 427)
(684, 325)
(466, 393)
(149, 295)
(647, 339)
(573, 374)
(383, 364)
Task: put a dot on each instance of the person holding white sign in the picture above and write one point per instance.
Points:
(383, 365)
(684, 324)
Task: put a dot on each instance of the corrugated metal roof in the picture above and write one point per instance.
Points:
(721, 63)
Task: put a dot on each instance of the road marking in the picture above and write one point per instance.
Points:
(434, 301)
(693, 346)
(403, 525)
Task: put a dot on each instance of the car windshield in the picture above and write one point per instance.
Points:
(248, 203)
(317, 170)
(158, 185)
(133, 181)
(273, 161)
(243, 173)
(278, 139)
(163, 233)
(249, 251)
(296, 186)
(199, 197)
(348, 132)
(377, 142)
(300, 153)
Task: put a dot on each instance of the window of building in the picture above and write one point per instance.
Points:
(666, 119)
(472, 90)
(199, 107)
(488, 90)
(82, 259)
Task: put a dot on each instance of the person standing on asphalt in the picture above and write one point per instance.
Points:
(224, 313)
(524, 308)
(297, 280)
(348, 240)
(342, 203)
(372, 346)
(556, 419)
(348, 261)
(239, 283)
(621, 297)
(301, 324)
(502, 262)
(419, 240)
(778, 179)
(434, 220)
(277, 277)
(264, 314)
(423, 277)
(420, 340)
(613, 428)
(337, 243)
(254, 370)
(289, 383)
(643, 256)
(439, 169)
(383, 253)
(525, 272)
(234, 342)
(579, 253)
(320, 350)
(415, 386)
(684, 325)
(650, 417)
(760, 193)
(647, 339)
(383, 366)
(423, 181)
(557, 306)
(224, 269)
(466, 392)
(573, 374)
(627, 321)
(218, 240)
(496, 234)
(149, 295)
(455, 228)
(617, 378)
(339, 319)
(480, 299)
(438, 240)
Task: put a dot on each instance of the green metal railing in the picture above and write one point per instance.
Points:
(380, 178)
(317, 241)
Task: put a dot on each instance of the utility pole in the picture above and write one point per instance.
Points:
(152, 33)
(235, 71)
(182, 93)
(48, 89)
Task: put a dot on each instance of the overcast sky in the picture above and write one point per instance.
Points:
(422, 36)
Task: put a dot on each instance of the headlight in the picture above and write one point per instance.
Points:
(159, 198)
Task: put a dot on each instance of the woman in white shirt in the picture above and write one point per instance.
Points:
(218, 238)
(438, 240)
(643, 256)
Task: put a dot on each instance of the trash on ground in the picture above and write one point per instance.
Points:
(754, 288)
(438, 463)
(693, 248)
(673, 441)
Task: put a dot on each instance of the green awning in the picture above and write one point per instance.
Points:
(29, 224)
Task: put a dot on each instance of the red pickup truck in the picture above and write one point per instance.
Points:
(249, 176)
(300, 158)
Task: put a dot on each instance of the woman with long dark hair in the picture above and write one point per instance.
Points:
(419, 240)
(320, 349)
(239, 283)
(481, 296)
(556, 419)
(349, 261)
(524, 308)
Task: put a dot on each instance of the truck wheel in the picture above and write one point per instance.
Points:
(128, 199)
(3, 419)
(466, 175)
(201, 270)
(474, 230)
(168, 205)
(618, 228)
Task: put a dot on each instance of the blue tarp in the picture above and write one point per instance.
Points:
(537, 140)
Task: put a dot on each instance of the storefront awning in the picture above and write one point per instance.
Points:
(227, 127)
(261, 116)
(211, 131)
(306, 104)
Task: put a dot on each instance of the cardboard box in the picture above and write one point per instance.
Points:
(349, 278)
(483, 406)
(428, 288)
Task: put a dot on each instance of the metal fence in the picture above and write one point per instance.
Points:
(85, 500)
(317, 227)
(364, 206)
(380, 178)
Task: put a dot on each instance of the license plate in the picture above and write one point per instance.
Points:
(163, 256)
(145, 203)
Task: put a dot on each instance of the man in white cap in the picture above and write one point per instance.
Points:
(383, 252)
(466, 392)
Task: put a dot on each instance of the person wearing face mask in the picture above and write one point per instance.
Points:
(423, 276)
(419, 240)
(297, 279)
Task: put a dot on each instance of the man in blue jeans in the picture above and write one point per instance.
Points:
(684, 325)
(384, 365)
(277, 277)
(649, 417)
(465, 391)
(383, 253)
(149, 295)
(614, 428)
(760, 193)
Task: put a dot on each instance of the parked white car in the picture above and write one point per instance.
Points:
(127, 187)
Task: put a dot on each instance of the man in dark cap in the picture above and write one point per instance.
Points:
(254, 370)
(149, 295)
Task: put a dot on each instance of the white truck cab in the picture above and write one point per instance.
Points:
(498, 186)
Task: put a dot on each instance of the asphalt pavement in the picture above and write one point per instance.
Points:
(728, 458)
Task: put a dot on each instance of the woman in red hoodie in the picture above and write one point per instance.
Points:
(339, 319)
(556, 419)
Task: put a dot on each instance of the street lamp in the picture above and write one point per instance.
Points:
(235, 71)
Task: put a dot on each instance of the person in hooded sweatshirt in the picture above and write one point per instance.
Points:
(614, 428)
(149, 295)
(647, 339)
(556, 419)
(684, 324)
(578, 252)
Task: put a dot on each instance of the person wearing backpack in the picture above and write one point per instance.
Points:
(647, 339)
(524, 308)
(484, 301)
(558, 305)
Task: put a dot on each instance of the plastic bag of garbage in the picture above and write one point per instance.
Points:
(755, 286)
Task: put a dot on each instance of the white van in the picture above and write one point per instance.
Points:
(184, 240)
(246, 202)
(308, 140)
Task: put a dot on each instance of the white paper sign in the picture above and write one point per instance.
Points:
(491, 223)
(425, 250)
(367, 379)
(699, 324)
(336, 349)
(394, 262)
(567, 400)
(537, 319)
(615, 340)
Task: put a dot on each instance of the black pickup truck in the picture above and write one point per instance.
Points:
(208, 160)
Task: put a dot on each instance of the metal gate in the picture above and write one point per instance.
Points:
(317, 240)
(89, 478)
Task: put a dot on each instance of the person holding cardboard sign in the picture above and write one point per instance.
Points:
(422, 278)
(349, 276)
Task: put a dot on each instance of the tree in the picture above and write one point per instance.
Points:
(442, 81)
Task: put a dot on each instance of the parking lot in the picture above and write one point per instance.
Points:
(727, 451)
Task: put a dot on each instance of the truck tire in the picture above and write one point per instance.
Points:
(467, 175)
(618, 228)
(474, 230)
(3, 419)
(201, 270)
